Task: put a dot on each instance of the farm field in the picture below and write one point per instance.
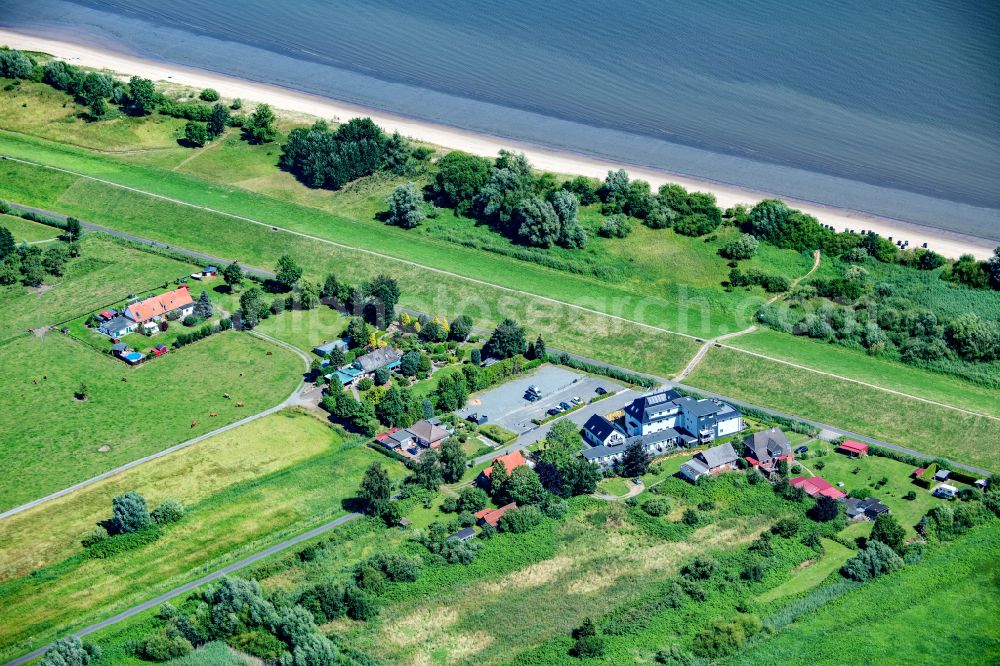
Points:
(880, 372)
(105, 272)
(924, 427)
(942, 610)
(243, 489)
(26, 230)
(165, 401)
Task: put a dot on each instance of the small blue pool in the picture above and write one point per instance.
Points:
(133, 357)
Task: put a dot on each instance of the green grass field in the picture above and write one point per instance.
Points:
(104, 273)
(244, 489)
(917, 425)
(50, 440)
(305, 328)
(880, 372)
(26, 230)
(941, 611)
(805, 578)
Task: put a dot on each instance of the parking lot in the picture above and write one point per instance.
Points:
(507, 406)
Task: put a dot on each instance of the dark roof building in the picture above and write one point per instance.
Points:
(602, 432)
(869, 508)
(710, 461)
(379, 358)
(761, 447)
(463, 535)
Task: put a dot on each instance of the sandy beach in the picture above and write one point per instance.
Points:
(291, 101)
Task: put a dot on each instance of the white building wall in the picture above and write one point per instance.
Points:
(729, 426)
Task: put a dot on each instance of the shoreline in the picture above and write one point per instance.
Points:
(948, 243)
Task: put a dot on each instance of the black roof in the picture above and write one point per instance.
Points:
(463, 535)
(600, 427)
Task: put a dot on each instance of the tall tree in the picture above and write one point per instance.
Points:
(232, 275)
(73, 231)
(195, 133)
(141, 96)
(635, 461)
(405, 206)
(218, 120)
(7, 244)
(130, 512)
(253, 306)
(203, 308)
(259, 127)
(452, 460)
(427, 472)
(537, 222)
(375, 489)
(459, 179)
(888, 530)
(385, 290)
(460, 329)
(288, 272)
(507, 340)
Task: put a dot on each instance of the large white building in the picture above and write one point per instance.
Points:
(697, 421)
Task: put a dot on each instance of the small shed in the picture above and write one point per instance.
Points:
(942, 475)
(853, 449)
(463, 535)
(119, 348)
(210, 271)
(915, 474)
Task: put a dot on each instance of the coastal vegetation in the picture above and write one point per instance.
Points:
(628, 273)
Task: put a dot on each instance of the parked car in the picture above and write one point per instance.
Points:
(554, 411)
(412, 451)
(565, 406)
(802, 449)
(530, 397)
(576, 400)
(534, 390)
(600, 390)
(637, 481)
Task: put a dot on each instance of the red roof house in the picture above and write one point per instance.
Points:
(853, 449)
(492, 516)
(157, 306)
(510, 462)
(917, 472)
(815, 486)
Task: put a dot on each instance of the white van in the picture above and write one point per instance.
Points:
(945, 491)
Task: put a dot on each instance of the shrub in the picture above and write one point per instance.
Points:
(365, 384)
(722, 639)
(122, 543)
(700, 568)
(656, 506)
(743, 247)
(875, 560)
(160, 647)
(615, 226)
(258, 643)
(170, 511)
(521, 519)
(130, 512)
(209, 95)
(786, 527)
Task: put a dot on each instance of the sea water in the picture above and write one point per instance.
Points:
(886, 107)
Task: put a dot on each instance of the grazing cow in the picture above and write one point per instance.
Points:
(213, 414)
(194, 423)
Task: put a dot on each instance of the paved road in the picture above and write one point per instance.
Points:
(187, 587)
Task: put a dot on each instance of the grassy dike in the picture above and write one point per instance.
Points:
(244, 490)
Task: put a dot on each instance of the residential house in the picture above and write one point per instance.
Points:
(866, 509)
(816, 486)
(365, 366)
(324, 349)
(654, 444)
(118, 327)
(463, 535)
(853, 449)
(511, 461)
(428, 434)
(710, 461)
(493, 516)
(386, 440)
(601, 432)
(765, 448)
(697, 421)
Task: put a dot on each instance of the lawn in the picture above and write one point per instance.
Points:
(104, 273)
(243, 490)
(896, 419)
(941, 611)
(804, 578)
(50, 440)
(878, 371)
(614, 486)
(26, 230)
(305, 329)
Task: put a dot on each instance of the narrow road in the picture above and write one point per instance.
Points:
(693, 363)
(187, 587)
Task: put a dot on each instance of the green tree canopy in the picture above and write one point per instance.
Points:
(259, 127)
(130, 512)
(406, 206)
(459, 179)
(287, 273)
(375, 489)
(507, 340)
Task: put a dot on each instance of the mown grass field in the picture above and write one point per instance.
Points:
(305, 328)
(26, 230)
(805, 578)
(104, 273)
(941, 611)
(243, 489)
(50, 440)
(896, 419)
(878, 371)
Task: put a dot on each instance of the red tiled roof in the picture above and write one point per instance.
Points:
(917, 472)
(159, 305)
(510, 461)
(383, 436)
(817, 486)
(853, 447)
(492, 516)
